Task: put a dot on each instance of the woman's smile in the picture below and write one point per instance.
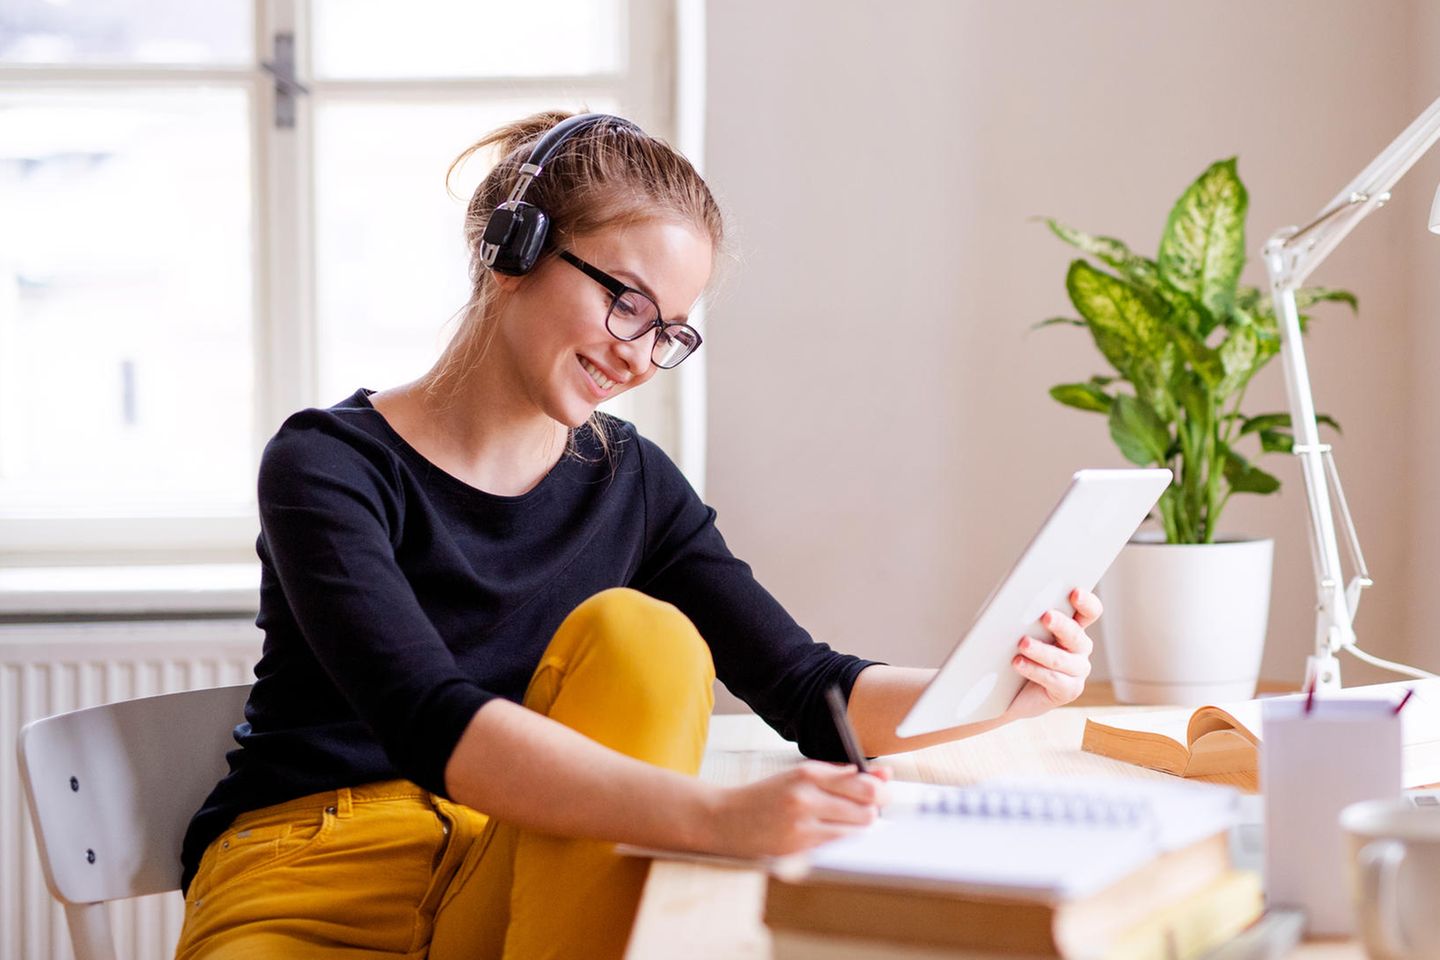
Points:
(603, 383)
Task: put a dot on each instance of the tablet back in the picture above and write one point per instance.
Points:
(1076, 545)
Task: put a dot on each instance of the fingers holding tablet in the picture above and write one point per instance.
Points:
(1087, 607)
(1068, 632)
(1054, 658)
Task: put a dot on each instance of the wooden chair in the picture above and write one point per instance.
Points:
(111, 790)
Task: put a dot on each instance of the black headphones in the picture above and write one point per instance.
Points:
(516, 231)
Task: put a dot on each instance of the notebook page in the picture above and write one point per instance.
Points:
(1044, 862)
(1040, 838)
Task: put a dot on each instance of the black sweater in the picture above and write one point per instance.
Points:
(396, 600)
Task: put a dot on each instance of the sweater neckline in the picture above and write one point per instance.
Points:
(443, 476)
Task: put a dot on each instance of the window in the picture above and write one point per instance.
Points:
(188, 253)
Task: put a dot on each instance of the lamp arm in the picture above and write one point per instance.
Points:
(1291, 254)
(1306, 247)
(1334, 627)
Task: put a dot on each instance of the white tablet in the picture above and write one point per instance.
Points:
(1080, 539)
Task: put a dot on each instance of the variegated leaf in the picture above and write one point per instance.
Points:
(1203, 247)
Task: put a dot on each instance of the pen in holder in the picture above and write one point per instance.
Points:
(1317, 756)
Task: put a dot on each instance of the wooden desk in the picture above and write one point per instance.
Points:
(703, 912)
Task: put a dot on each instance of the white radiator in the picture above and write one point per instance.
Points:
(54, 667)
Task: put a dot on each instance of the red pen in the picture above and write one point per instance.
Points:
(1405, 699)
(1310, 696)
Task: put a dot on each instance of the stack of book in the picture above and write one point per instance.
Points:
(1115, 869)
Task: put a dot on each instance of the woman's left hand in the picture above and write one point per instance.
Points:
(1055, 673)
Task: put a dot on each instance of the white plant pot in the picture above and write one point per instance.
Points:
(1185, 623)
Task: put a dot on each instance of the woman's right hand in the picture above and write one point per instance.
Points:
(797, 809)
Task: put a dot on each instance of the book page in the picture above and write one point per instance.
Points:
(1170, 724)
(1027, 860)
(1242, 718)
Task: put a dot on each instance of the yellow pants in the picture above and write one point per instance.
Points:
(390, 870)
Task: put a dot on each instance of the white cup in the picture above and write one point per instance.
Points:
(1394, 853)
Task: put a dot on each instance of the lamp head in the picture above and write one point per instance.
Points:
(1435, 212)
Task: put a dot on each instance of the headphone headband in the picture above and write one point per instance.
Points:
(550, 144)
(516, 230)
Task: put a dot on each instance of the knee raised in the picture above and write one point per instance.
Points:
(642, 637)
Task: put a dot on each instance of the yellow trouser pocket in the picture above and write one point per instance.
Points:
(256, 842)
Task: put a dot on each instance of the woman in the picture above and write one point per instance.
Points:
(493, 617)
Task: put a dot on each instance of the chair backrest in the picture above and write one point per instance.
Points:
(111, 790)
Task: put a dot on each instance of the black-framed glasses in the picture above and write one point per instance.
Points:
(632, 315)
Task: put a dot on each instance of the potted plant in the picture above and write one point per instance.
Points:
(1186, 608)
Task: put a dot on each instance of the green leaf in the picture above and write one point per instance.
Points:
(1203, 247)
(1133, 267)
(1071, 321)
(1194, 400)
(1244, 477)
(1272, 421)
(1204, 361)
(1266, 421)
(1254, 301)
(1309, 296)
(1238, 355)
(1138, 430)
(1276, 441)
(1083, 396)
(1125, 329)
(1248, 298)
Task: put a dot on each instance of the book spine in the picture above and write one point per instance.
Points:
(796, 945)
(919, 917)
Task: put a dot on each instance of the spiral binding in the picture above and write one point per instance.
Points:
(1035, 806)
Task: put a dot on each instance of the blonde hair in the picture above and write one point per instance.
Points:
(610, 174)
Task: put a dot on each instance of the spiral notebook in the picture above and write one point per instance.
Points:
(1046, 840)
(1041, 839)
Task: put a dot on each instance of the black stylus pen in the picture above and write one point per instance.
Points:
(836, 699)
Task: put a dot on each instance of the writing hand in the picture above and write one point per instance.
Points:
(792, 811)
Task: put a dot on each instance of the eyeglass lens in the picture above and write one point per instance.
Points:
(633, 314)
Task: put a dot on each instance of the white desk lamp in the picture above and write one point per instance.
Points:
(1290, 256)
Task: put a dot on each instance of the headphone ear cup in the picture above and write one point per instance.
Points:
(518, 229)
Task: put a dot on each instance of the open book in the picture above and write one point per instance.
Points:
(1221, 741)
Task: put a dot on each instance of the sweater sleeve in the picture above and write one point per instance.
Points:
(761, 654)
(331, 514)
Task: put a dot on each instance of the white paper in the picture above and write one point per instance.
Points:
(1045, 839)
(1312, 765)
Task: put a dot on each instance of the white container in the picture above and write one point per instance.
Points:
(1185, 624)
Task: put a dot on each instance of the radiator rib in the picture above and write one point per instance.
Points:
(52, 668)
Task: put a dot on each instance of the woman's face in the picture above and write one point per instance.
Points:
(552, 322)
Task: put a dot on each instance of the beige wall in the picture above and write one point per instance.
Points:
(881, 440)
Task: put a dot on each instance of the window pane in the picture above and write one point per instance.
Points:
(213, 32)
(479, 38)
(391, 265)
(125, 302)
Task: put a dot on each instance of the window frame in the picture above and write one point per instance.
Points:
(650, 89)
